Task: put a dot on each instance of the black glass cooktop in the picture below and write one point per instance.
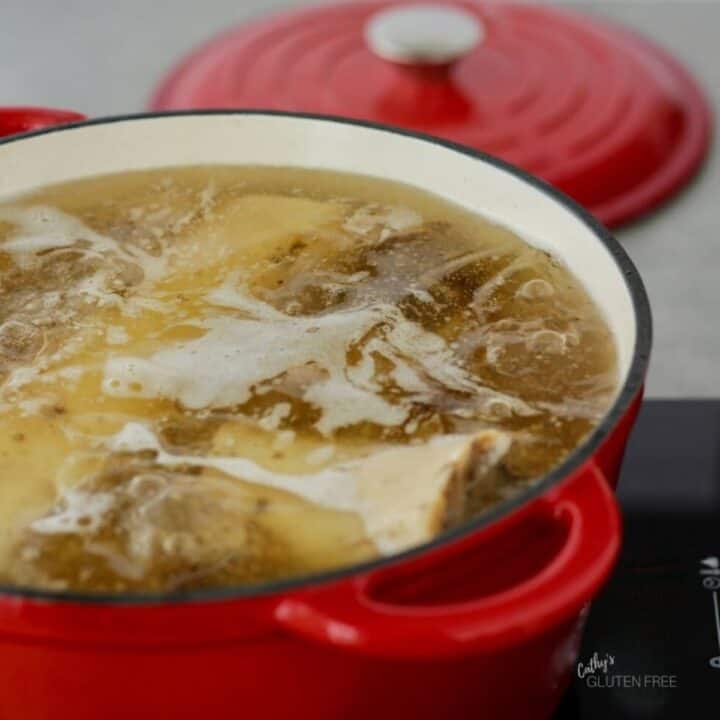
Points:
(651, 650)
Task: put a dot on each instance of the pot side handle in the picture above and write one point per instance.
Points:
(356, 615)
(15, 120)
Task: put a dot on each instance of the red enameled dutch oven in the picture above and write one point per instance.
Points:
(483, 621)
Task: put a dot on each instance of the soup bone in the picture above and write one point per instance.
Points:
(405, 495)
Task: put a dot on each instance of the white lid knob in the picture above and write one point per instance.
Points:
(423, 34)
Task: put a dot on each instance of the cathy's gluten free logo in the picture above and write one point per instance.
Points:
(599, 671)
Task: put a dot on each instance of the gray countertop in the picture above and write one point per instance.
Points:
(105, 57)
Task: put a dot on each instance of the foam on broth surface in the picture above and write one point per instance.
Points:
(221, 375)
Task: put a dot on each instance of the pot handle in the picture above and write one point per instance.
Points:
(25, 119)
(349, 614)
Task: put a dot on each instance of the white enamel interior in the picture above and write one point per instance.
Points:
(135, 144)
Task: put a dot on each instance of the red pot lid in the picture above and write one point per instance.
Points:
(596, 110)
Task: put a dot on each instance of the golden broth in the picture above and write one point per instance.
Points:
(221, 375)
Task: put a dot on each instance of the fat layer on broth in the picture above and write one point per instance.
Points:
(222, 375)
